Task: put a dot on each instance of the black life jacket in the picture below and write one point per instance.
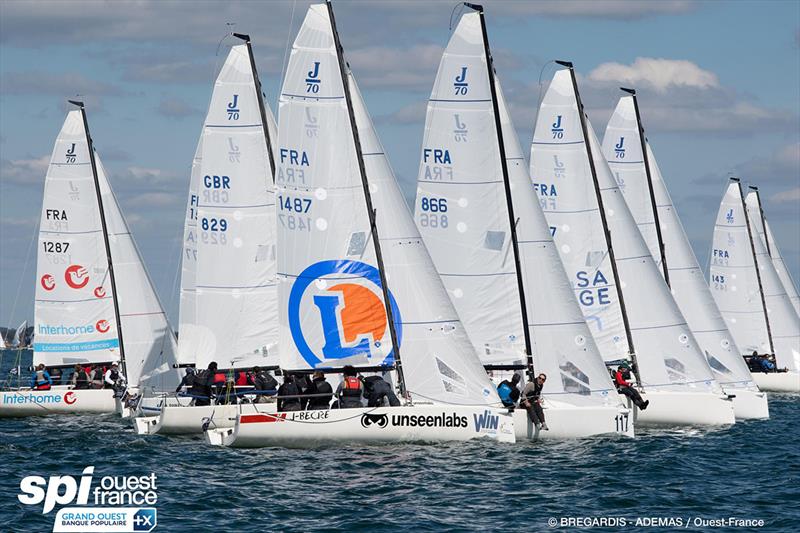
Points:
(114, 375)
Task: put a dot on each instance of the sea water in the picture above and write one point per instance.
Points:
(708, 479)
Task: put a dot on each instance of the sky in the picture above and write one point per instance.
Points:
(718, 85)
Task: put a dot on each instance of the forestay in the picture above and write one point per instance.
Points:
(236, 298)
(462, 213)
(187, 317)
(666, 351)
(622, 149)
(149, 342)
(74, 312)
(761, 223)
(331, 296)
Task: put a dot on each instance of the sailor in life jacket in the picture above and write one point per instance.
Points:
(41, 379)
(350, 391)
(112, 375)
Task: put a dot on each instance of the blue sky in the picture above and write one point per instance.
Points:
(718, 82)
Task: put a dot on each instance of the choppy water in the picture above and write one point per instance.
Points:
(751, 471)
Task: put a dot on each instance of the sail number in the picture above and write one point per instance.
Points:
(214, 224)
(298, 205)
(55, 247)
(434, 205)
(433, 213)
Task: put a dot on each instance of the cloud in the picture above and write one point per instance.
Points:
(26, 171)
(656, 73)
(792, 195)
(176, 108)
(677, 95)
(33, 82)
(607, 9)
(153, 199)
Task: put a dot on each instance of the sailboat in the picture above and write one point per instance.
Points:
(756, 213)
(631, 160)
(91, 287)
(624, 299)
(494, 251)
(750, 294)
(228, 292)
(356, 285)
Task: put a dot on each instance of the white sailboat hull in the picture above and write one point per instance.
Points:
(749, 404)
(419, 423)
(187, 420)
(573, 422)
(778, 381)
(57, 400)
(679, 408)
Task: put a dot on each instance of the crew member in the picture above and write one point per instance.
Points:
(532, 401)
(264, 384)
(95, 374)
(626, 388)
(509, 391)
(319, 385)
(289, 388)
(80, 379)
(376, 389)
(41, 380)
(111, 376)
(187, 380)
(350, 391)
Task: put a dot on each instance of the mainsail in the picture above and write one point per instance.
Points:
(747, 288)
(646, 194)
(463, 213)
(621, 291)
(236, 297)
(90, 277)
(333, 274)
(753, 201)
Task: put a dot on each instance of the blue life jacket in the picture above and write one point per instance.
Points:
(504, 391)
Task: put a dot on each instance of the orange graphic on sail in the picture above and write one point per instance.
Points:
(363, 312)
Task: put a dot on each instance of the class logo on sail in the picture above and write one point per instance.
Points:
(460, 83)
(233, 108)
(619, 148)
(313, 79)
(337, 315)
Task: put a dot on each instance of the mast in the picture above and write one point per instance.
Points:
(512, 221)
(606, 232)
(755, 263)
(643, 141)
(763, 219)
(259, 95)
(105, 235)
(368, 200)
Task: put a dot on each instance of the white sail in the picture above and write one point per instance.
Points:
(74, 311)
(331, 296)
(236, 311)
(19, 334)
(461, 211)
(187, 316)
(667, 353)
(765, 233)
(622, 149)
(148, 339)
(781, 326)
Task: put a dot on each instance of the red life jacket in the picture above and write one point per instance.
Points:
(219, 377)
(620, 379)
(351, 386)
(242, 379)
